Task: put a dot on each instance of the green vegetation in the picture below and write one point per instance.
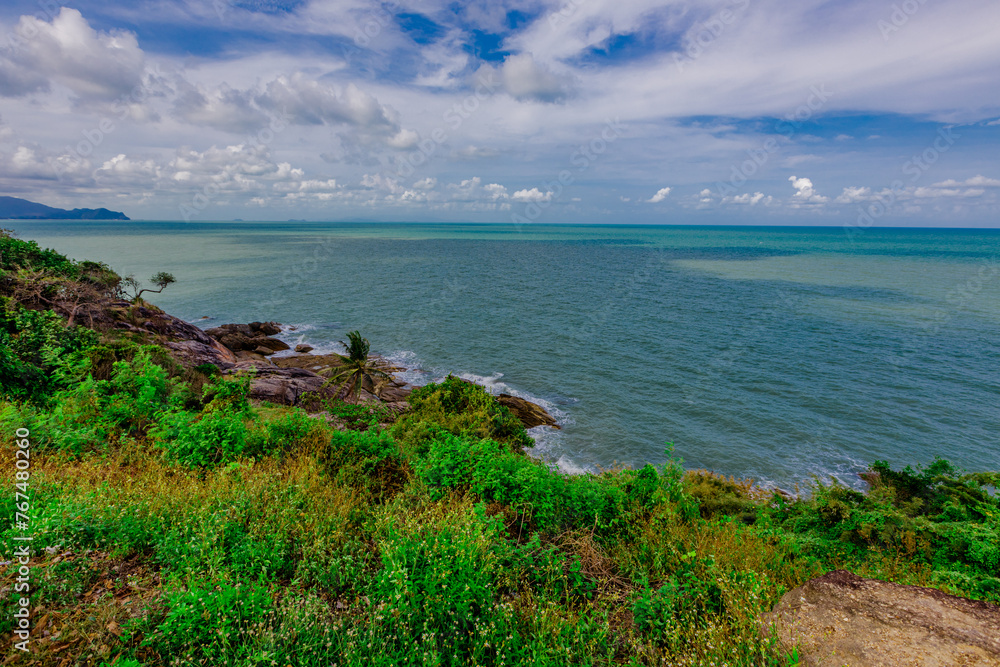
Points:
(357, 370)
(176, 522)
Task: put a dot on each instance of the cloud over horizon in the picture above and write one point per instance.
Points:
(580, 110)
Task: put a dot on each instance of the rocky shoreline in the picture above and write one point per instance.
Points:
(296, 379)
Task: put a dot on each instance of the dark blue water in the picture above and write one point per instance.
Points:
(774, 353)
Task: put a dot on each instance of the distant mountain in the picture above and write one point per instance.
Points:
(12, 208)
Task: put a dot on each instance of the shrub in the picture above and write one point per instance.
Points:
(461, 408)
(218, 434)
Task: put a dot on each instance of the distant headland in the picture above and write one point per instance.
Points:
(13, 208)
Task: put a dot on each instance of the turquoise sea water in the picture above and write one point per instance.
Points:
(773, 353)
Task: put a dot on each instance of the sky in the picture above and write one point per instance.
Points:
(856, 113)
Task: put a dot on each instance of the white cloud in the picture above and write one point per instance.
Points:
(853, 194)
(923, 193)
(748, 199)
(306, 101)
(534, 195)
(496, 191)
(805, 194)
(95, 66)
(123, 169)
(660, 195)
(35, 163)
(220, 107)
(404, 139)
(975, 181)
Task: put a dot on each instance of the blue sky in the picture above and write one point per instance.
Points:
(737, 112)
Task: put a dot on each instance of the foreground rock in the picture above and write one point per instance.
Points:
(190, 345)
(842, 619)
(530, 414)
(284, 386)
(254, 337)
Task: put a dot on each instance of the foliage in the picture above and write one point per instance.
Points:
(212, 625)
(217, 434)
(461, 408)
(269, 536)
(37, 352)
(357, 369)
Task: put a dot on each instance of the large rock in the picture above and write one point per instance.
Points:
(529, 413)
(253, 337)
(286, 386)
(193, 353)
(842, 619)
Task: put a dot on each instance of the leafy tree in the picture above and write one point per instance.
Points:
(357, 369)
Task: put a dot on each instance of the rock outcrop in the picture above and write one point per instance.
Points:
(253, 337)
(285, 386)
(842, 619)
(530, 414)
(191, 345)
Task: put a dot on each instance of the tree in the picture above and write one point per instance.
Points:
(357, 368)
(161, 280)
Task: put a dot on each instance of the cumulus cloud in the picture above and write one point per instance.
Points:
(660, 195)
(534, 195)
(122, 169)
(804, 192)
(95, 66)
(472, 191)
(306, 101)
(36, 163)
(296, 100)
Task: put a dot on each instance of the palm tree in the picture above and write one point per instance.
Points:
(350, 377)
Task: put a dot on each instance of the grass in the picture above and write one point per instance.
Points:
(177, 523)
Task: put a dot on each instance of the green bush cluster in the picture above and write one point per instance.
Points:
(461, 408)
(37, 352)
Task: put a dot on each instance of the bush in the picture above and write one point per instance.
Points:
(38, 353)
(218, 434)
(460, 408)
(95, 413)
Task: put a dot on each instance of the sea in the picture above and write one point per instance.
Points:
(785, 355)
